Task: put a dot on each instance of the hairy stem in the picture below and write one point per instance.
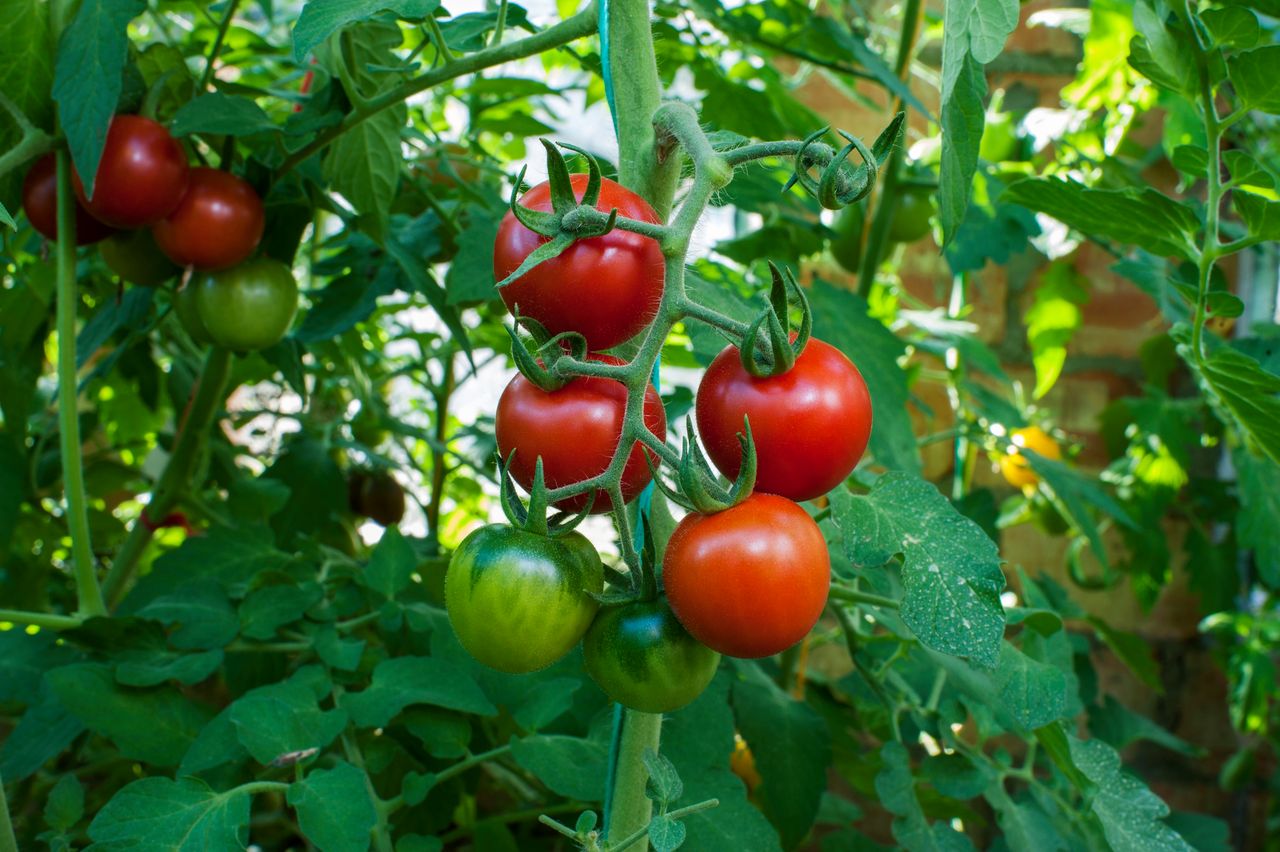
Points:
(88, 592)
(848, 594)
(174, 481)
(225, 24)
(630, 808)
(46, 620)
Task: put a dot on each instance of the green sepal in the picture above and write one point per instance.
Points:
(782, 351)
(548, 250)
(539, 221)
(699, 487)
(562, 200)
(538, 364)
(592, 195)
(532, 518)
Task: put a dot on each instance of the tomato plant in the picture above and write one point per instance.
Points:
(247, 307)
(605, 288)
(749, 581)
(519, 601)
(811, 424)
(217, 224)
(142, 174)
(40, 203)
(575, 431)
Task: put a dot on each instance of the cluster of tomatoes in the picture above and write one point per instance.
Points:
(748, 581)
(155, 215)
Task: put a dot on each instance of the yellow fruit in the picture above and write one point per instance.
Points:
(743, 763)
(1014, 466)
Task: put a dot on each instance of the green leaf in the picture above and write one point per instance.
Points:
(1077, 493)
(1053, 320)
(284, 717)
(154, 667)
(569, 766)
(337, 652)
(26, 75)
(1121, 727)
(1260, 214)
(1022, 693)
(180, 816)
(990, 23)
(1253, 73)
(155, 726)
(217, 745)
(791, 747)
(220, 114)
(87, 78)
(364, 163)
(1246, 393)
(391, 566)
(1162, 52)
(470, 276)
(6, 219)
(1129, 812)
(1132, 650)
(335, 808)
(24, 658)
(545, 702)
(664, 785)
(322, 18)
(402, 681)
(1026, 827)
(1232, 27)
(128, 312)
(963, 89)
(840, 318)
(895, 787)
(272, 607)
(203, 613)
(443, 733)
(951, 570)
(344, 303)
(666, 834)
(230, 557)
(1258, 481)
(1143, 217)
(65, 804)
(46, 729)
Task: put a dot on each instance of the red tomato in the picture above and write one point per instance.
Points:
(810, 424)
(750, 581)
(40, 201)
(217, 225)
(141, 177)
(575, 430)
(605, 288)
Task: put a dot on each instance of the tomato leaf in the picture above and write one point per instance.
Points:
(403, 681)
(26, 74)
(1052, 321)
(87, 78)
(1259, 484)
(184, 816)
(46, 729)
(322, 18)
(335, 807)
(1253, 73)
(569, 766)
(222, 114)
(284, 717)
(155, 726)
(1131, 815)
(951, 570)
(268, 609)
(1247, 396)
(895, 787)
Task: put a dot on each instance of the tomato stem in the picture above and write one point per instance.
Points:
(47, 620)
(88, 592)
(848, 594)
(630, 809)
(216, 48)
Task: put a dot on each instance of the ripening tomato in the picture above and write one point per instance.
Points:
(40, 201)
(575, 430)
(248, 307)
(810, 424)
(605, 288)
(519, 601)
(1014, 466)
(750, 581)
(218, 224)
(135, 257)
(911, 214)
(846, 246)
(141, 177)
(642, 657)
(377, 496)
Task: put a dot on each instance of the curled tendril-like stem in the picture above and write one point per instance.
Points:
(839, 184)
(698, 487)
(533, 516)
(538, 364)
(780, 351)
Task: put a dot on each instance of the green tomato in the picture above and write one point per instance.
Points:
(846, 247)
(250, 306)
(642, 657)
(999, 139)
(135, 257)
(519, 601)
(184, 305)
(911, 215)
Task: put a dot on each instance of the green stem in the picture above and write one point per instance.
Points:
(221, 37)
(850, 595)
(1211, 247)
(580, 25)
(210, 393)
(8, 840)
(438, 458)
(631, 808)
(637, 96)
(48, 620)
(381, 835)
(34, 141)
(437, 36)
(88, 592)
(510, 817)
(679, 813)
(263, 787)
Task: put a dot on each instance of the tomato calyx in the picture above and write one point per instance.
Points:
(782, 347)
(569, 219)
(837, 185)
(532, 517)
(698, 487)
(538, 364)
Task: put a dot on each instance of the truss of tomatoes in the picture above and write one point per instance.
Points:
(749, 581)
(154, 215)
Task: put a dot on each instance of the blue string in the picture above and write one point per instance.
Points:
(605, 69)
